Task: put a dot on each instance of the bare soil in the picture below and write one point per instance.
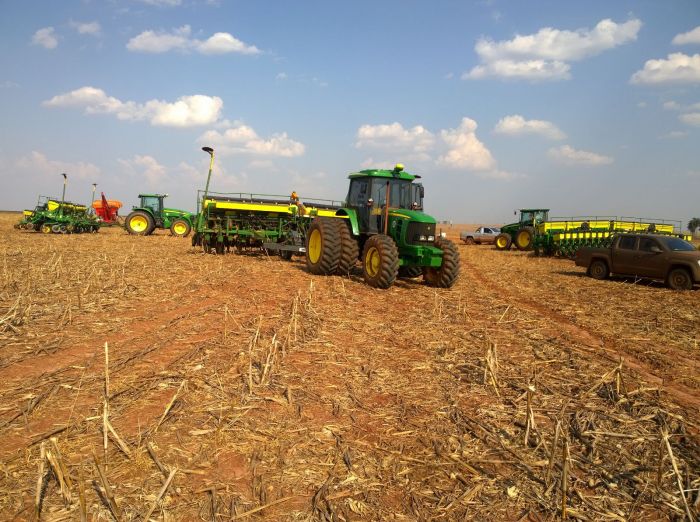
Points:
(277, 395)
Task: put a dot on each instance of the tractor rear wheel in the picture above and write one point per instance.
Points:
(349, 249)
(524, 238)
(503, 241)
(139, 223)
(446, 275)
(323, 246)
(380, 261)
(409, 272)
(180, 228)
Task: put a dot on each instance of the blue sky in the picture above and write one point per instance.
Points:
(582, 107)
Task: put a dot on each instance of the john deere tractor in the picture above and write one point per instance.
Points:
(383, 225)
(522, 233)
(151, 214)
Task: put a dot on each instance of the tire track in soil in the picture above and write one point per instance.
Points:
(591, 343)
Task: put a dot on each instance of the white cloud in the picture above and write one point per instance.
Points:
(394, 136)
(37, 163)
(516, 124)
(570, 156)
(162, 3)
(146, 168)
(671, 105)
(186, 111)
(642, 105)
(465, 151)
(7, 84)
(676, 68)
(370, 163)
(281, 76)
(673, 135)
(544, 55)
(243, 139)
(46, 37)
(691, 37)
(180, 39)
(691, 118)
(91, 28)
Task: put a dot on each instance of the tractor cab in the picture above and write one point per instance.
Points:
(533, 216)
(153, 202)
(371, 190)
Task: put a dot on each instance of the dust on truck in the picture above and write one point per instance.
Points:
(384, 226)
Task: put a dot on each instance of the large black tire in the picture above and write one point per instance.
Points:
(503, 241)
(139, 223)
(410, 272)
(380, 261)
(349, 249)
(323, 246)
(524, 238)
(446, 275)
(679, 279)
(598, 269)
(180, 228)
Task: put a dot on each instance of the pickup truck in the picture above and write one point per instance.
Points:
(652, 256)
(480, 235)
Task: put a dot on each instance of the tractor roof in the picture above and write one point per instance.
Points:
(534, 210)
(153, 195)
(396, 173)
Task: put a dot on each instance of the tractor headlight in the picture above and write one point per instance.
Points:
(421, 238)
(431, 238)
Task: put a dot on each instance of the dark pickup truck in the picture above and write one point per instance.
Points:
(667, 258)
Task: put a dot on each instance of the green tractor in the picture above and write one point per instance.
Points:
(151, 214)
(384, 226)
(522, 233)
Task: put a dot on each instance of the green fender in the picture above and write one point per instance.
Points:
(352, 217)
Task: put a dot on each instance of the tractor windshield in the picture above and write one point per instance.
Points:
(533, 216)
(402, 193)
(151, 202)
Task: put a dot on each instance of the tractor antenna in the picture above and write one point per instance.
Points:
(209, 151)
(63, 196)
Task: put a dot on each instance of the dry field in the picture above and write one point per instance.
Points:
(240, 387)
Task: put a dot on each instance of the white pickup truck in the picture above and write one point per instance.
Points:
(480, 235)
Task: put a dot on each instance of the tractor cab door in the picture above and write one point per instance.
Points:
(154, 203)
(360, 199)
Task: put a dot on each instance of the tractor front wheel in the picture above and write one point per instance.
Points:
(524, 238)
(446, 275)
(380, 261)
(180, 228)
(323, 246)
(503, 241)
(139, 223)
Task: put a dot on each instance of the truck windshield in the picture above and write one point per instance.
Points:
(678, 245)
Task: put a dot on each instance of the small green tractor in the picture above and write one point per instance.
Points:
(522, 233)
(381, 224)
(151, 214)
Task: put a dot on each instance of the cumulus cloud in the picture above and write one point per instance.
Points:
(146, 168)
(676, 68)
(692, 118)
(243, 139)
(180, 39)
(545, 54)
(186, 111)
(516, 124)
(91, 28)
(673, 135)
(465, 151)
(570, 156)
(46, 37)
(691, 37)
(394, 136)
(37, 163)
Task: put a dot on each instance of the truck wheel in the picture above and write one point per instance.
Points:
(469, 241)
(446, 275)
(524, 237)
(323, 246)
(180, 228)
(349, 249)
(139, 223)
(598, 270)
(503, 241)
(679, 279)
(409, 272)
(380, 261)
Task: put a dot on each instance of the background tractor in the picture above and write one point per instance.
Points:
(522, 233)
(382, 224)
(151, 214)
